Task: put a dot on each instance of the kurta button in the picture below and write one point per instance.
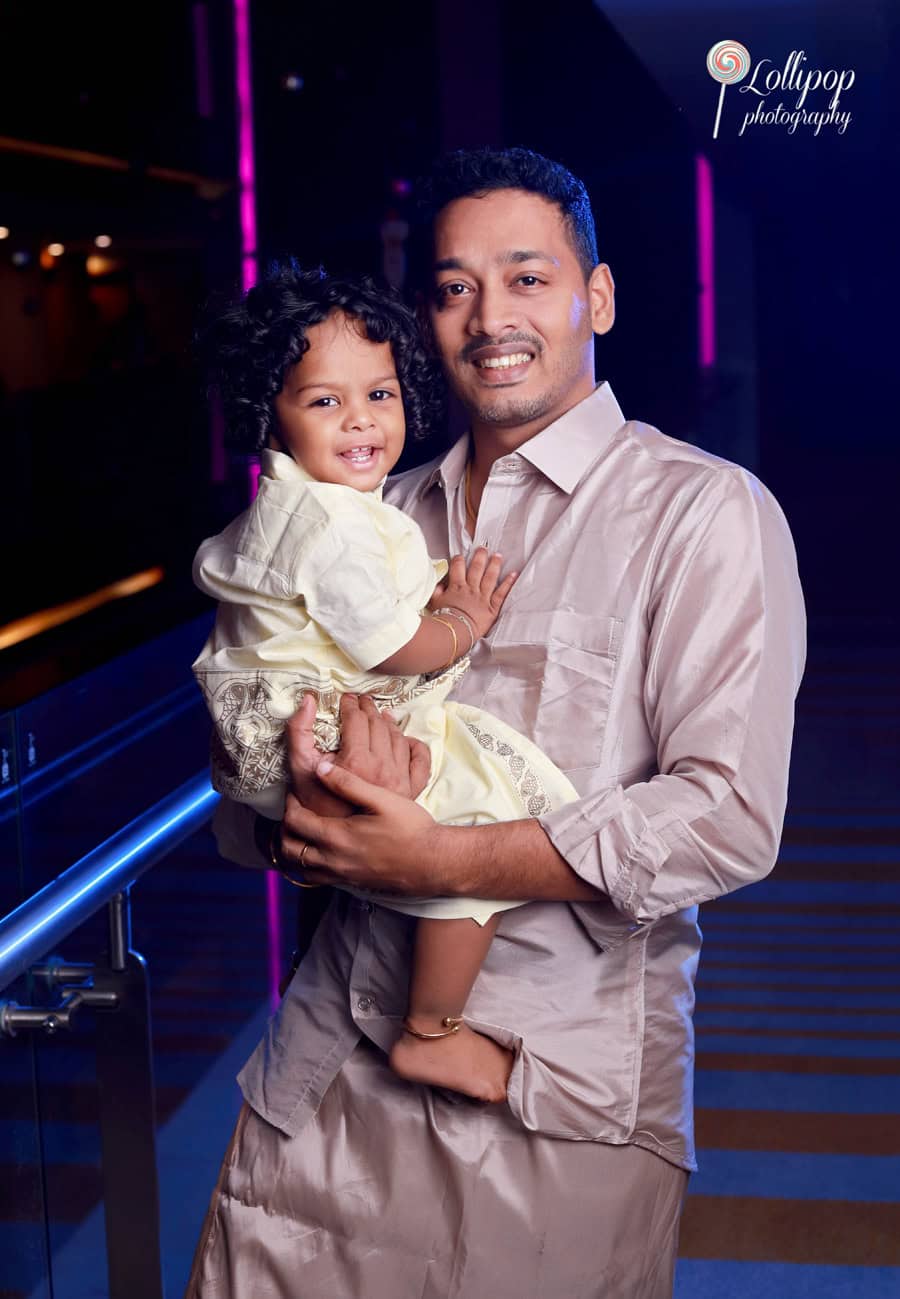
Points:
(365, 1003)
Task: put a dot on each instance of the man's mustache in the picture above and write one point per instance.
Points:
(478, 344)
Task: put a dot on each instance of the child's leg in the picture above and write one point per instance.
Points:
(448, 955)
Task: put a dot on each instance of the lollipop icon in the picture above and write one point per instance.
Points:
(727, 62)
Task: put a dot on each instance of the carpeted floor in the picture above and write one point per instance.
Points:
(798, 1022)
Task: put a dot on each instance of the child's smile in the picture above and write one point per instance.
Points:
(340, 411)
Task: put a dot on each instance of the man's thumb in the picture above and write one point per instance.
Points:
(350, 787)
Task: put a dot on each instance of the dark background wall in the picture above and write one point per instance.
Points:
(106, 444)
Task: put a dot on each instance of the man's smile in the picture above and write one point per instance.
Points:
(502, 365)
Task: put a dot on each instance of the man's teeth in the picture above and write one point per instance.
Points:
(503, 362)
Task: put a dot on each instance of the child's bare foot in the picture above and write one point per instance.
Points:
(465, 1062)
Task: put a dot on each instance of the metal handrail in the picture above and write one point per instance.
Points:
(50, 915)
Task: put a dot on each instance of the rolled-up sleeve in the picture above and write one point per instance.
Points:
(725, 656)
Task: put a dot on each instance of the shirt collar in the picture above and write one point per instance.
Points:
(285, 469)
(563, 451)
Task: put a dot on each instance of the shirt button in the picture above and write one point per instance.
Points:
(365, 1003)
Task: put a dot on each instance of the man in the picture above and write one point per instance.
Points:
(652, 646)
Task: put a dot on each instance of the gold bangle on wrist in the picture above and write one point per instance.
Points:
(452, 630)
(451, 1025)
(464, 619)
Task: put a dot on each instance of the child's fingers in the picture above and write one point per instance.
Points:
(502, 591)
(477, 565)
(457, 573)
(491, 575)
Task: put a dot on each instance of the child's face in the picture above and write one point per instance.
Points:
(340, 412)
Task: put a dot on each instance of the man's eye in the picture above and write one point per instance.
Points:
(528, 280)
(454, 290)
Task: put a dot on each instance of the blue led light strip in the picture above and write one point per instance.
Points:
(29, 932)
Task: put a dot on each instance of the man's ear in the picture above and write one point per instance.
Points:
(602, 295)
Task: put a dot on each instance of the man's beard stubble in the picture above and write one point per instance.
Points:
(514, 411)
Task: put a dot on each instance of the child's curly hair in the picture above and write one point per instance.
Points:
(249, 347)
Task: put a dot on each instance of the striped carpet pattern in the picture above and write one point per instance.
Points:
(798, 1022)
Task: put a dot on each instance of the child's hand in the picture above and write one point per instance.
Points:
(475, 591)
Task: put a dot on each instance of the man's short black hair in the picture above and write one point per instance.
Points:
(247, 348)
(471, 173)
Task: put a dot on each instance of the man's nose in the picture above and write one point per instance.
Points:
(494, 311)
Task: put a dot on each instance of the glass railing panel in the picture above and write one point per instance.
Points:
(99, 750)
(214, 945)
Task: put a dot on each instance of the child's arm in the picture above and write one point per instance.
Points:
(474, 592)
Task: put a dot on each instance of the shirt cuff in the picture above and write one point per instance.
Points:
(609, 843)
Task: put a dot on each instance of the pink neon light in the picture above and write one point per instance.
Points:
(247, 210)
(246, 163)
(706, 304)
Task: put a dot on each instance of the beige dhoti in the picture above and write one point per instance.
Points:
(393, 1191)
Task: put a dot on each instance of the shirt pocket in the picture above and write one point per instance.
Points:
(555, 680)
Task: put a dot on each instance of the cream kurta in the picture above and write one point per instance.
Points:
(317, 583)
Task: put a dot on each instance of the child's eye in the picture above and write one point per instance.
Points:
(380, 394)
(324, 401)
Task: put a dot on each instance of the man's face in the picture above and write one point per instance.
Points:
(511, 313)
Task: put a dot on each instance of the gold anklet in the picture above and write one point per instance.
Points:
(451, 1026)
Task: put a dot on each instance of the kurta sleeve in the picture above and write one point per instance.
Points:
(352, 586)
(725, 657)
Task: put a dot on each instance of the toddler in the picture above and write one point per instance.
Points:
(324, 588)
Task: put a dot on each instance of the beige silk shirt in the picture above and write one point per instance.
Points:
(652, 646)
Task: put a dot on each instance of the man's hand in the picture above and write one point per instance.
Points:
(372, 747)
(386, 843)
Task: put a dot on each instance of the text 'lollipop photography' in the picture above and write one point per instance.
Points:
(790, 96)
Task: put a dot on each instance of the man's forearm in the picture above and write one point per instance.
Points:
(507, 860)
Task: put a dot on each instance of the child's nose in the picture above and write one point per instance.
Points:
(358, 418)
